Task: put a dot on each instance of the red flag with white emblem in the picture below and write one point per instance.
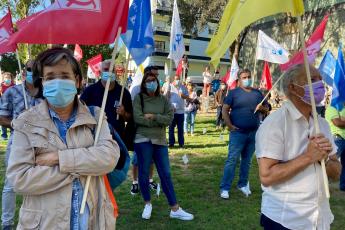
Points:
(87, 22)
(78, 52)
(313, 46)
(6, 29)
(266, 77)
(95, 64)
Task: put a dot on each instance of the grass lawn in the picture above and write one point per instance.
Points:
(197, 189)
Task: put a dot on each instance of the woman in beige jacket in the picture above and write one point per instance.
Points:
(53, 153)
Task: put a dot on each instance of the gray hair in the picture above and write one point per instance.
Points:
(288, 77)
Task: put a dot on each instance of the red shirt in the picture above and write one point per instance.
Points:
(5, 87)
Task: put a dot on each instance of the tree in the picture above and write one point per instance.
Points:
(9, 63)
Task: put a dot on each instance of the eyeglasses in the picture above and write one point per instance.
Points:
(63, 77)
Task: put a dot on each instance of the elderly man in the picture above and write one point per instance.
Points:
(288, 152)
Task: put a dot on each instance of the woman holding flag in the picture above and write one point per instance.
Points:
(53, 153)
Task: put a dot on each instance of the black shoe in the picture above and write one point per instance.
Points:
(153, 186)
(134, 189)
(171, 146)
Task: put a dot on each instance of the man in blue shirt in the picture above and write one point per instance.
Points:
(243, 124)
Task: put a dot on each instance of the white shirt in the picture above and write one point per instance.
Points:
(299, 203)
(207, 77)
(175, 99)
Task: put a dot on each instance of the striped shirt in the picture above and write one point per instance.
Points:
(12, 101)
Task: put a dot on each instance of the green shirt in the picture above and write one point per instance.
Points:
(332, 113)
(152, 129)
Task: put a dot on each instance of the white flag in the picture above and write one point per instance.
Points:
(177, 48)
(90, 73)
(233, 72)
(270, 50)
(166, 69)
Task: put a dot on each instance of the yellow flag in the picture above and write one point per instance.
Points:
(223, 27)
(249, 12)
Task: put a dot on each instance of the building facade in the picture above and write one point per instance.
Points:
(195, 46)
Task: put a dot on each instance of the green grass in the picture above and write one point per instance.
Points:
(197, 190)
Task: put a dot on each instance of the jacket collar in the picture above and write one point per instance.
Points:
(40, 117)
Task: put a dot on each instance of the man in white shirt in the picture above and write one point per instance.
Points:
(289, 152)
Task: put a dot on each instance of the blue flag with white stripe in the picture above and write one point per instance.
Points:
(139, 36)
(338, 93)
(327, 68)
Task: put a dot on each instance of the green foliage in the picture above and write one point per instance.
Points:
(9, 63)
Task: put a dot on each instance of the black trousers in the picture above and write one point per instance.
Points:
(269, 224)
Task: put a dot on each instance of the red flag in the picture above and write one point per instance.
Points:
(313, 46)
(266, 77)
(87, 22)
(6, 30)
(95, 64)
(179, 69)
(78, 52)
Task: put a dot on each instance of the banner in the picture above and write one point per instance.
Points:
(73, 21)
(95, 64)
(270, 50)
(177, 48)
(327, 68)
(6, 30)
(313, 47)
(139, 36)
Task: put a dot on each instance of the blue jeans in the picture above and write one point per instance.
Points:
(4, 132)
(340, 142)
(178, 120)
(78, 221)
(147, 151)
(189, 118)
(241, 144)
(8, 194)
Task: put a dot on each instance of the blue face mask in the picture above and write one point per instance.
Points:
(59, 93)
(106, 75)
(29, 77)
(247, 83)
(151, 86)
(7, 81)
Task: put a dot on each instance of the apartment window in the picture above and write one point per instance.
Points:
(187, 48)
(160, 46)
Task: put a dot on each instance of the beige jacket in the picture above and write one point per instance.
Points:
(46, 190)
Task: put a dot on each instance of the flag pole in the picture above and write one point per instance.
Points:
(23, 86)
(274, 85)
(100, 120)
(313, 106)
(124, 82)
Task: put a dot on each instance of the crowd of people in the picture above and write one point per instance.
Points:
(52, 150)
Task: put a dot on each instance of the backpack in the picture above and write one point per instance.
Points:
(119, 173)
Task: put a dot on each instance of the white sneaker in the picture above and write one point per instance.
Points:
(244, 190)
(248, 189)
(147, 212)
(224, 194)
(181, 214)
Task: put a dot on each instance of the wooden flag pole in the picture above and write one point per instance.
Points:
(123, 80)
(23, 83)
(313, 106)
(274, 85)
(100, 120)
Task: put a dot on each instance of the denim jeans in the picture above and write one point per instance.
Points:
(241, 144)
(8, 194)
(147, 151)
(219, 120)
(177, 121)
(4, 132)
(78, 221)
(340, 142)
(189, 118)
